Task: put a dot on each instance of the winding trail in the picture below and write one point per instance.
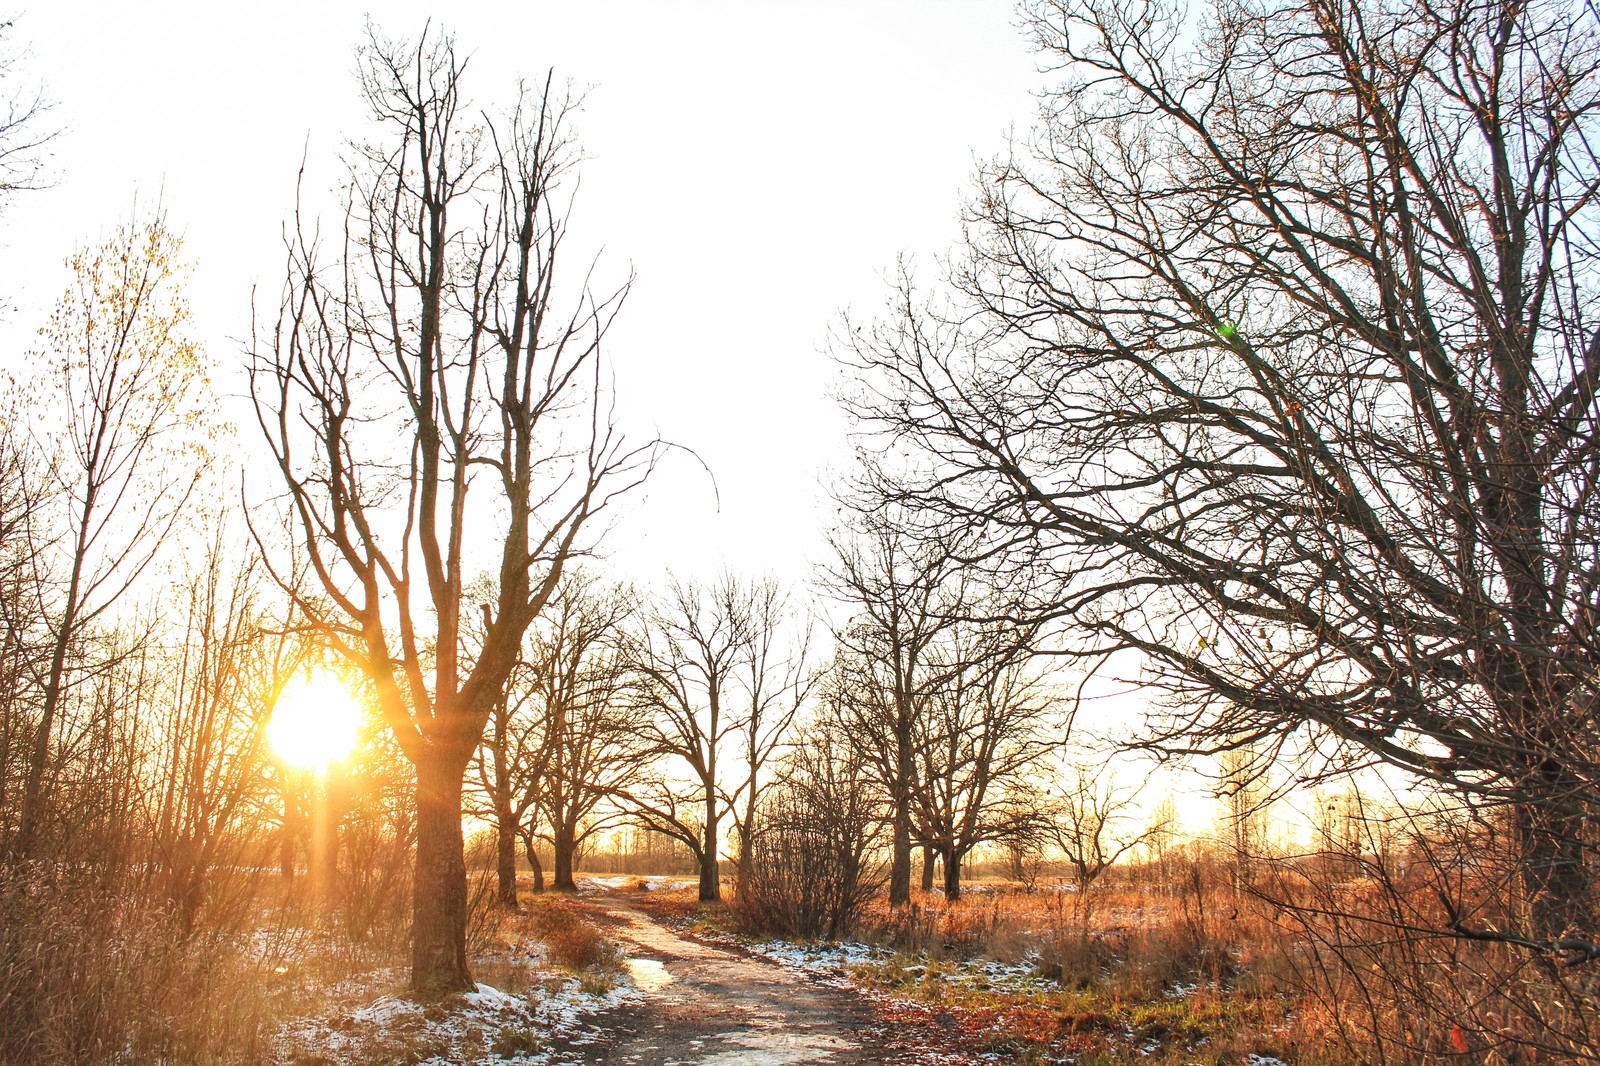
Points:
(706, 1004)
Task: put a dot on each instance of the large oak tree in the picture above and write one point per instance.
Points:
(437, 406)
(1276, 348)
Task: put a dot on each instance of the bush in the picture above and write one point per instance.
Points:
(90, 974)
(806, 869)
(573, 942)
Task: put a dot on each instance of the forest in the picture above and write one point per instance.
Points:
(1203, 666)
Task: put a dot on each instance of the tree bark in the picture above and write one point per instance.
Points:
(506, 857)
(565, 844)
(747, 835)
(710, 881)
(927, 867)
(439, 897)
(39, 751)
(952, 875)
(900, 862)
(532, 855)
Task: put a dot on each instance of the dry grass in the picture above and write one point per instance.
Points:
(1292, 965)
(98, 973)
(571, 941)
(1129, 973)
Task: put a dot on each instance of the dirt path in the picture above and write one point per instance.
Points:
(708, 1005)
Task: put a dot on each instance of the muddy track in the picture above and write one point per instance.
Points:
(706, 1004)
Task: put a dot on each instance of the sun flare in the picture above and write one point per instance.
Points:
(316, 721)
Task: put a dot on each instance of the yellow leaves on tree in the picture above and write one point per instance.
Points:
(121, 358)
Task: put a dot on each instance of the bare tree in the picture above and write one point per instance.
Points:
(596, 748)
(430, 403)
(777, 683)
(985, 730)
(1093, 821)
(206, 759)
(129, 381)
(507, 772)
(903, 595)
(1277, 352)
(1161, 831)
(1242, 824)
(548, 722)
(713, 694)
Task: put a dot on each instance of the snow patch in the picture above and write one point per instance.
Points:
(484, 1027)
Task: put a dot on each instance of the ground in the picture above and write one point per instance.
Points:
(667, 998)
(712, 1004)
(635, 973)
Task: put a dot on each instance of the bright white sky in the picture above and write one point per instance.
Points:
(760, 165)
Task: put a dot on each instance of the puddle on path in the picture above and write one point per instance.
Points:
(776, 1049)
(648, 974)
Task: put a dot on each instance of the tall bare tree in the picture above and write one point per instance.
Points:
(903, 596)
(129, 381)
(436, 403)
(985, 733)
(1276, 347)
(777, 684)
(578, 672)
(508, 770)
(714, 694)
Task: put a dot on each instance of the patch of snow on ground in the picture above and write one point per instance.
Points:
(594, 884)
(485, 1027)
(590, 885)
(832, 963)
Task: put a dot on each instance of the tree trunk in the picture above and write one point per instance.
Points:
(324, 860)
(747, 833)
(565, 840)
(439, 896)
(1554, 874)
(33, 784)
(927, 867)
(532, 855)
(286, 852)
(742, 869)
(39, 752)
(506, 857)
(900, 861)
(952, 875)
(905, 773)
(710, 882)
(505, 818)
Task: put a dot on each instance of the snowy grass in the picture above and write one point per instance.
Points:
(487, 1027)
(538, 1012)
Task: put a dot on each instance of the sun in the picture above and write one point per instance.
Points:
(316, 721)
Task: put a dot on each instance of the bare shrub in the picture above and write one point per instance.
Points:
(572, 942)
(1407, 974)
(809, 868)
(95, 974)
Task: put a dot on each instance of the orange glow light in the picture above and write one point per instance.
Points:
(316, 721)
